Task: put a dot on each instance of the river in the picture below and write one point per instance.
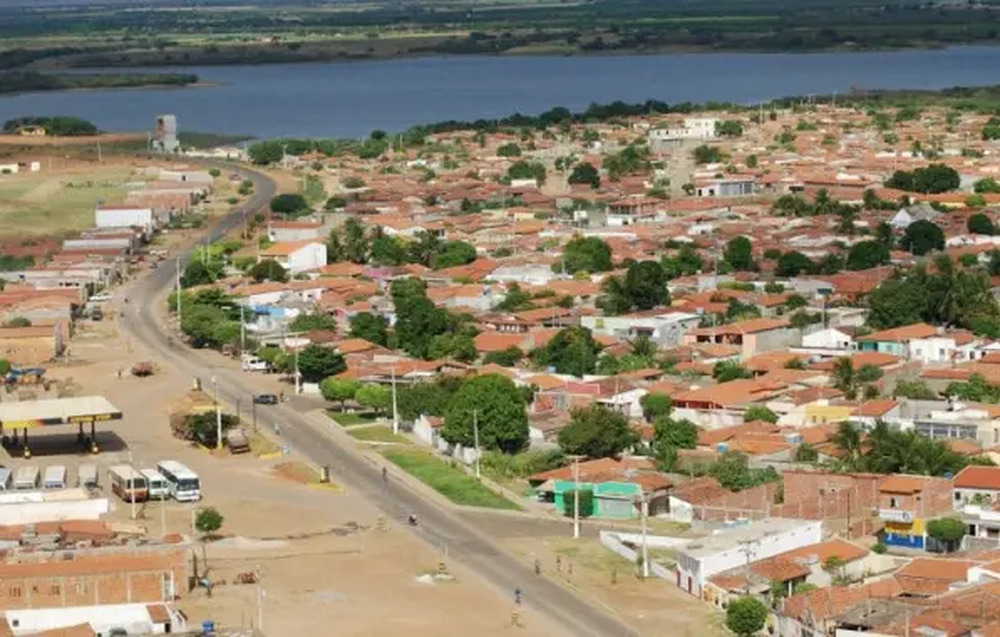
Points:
(350, 99)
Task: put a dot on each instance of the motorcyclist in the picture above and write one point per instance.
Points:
(412, 519)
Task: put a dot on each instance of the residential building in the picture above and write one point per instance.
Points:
(906, 503)
(699, 561)
(753, 336)
(124, 217)
(896, 341)
(297, 256)
(663, 327)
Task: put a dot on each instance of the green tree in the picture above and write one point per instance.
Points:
(374, 328)
(527, 170)
(725, 371)
(597, 432)
(981, 224)
(733, 472)
(806, 453)
(199, 273)
(572, 350)
(453, 253)
(208, 521)
(355, 241)
(921, 237)
(586, 254)
(844, 377)
(418, 320)
(585, 173)
(986, 185)
(290, 204)
(316, 362)
(505, 358)
(949, 531)
(268, 270)
(759, 412)
(460, 347)
(586, 507)
(914, 390)
(643, 288)
(739, 254)
(867, 254)
(792, 264)
(896, 302)
(729, 128)
(378, 398)
(263, 153)
(932, 179)
(339, 390)
(509, 150)
(655, 405)
(706, 154)
(499, 411)
(310, 322)
(746, 616)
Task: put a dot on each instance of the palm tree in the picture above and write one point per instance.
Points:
(848, 439)
(643, 347)
(843, 377)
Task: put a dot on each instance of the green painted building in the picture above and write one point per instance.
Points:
(614, 500)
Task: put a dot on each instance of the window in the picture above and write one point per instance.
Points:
(893, 503)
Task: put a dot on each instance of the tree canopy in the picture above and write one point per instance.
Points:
(572, 350)
(643, 288)
(597, 432)
(585, 254)
(739, 254)
(316, 362)
(932, 179)
(498, 408)
(585, 173)
(268, 270)
(980, 223)
(374, 328)
(418, 320)
(867, 254)
(921, 237)
(746, 616)
(290, 204)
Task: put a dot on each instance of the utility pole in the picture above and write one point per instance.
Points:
(395, 406)
(576, 495)
(178, 291)
(643, 512)
(475, 435)
(243, 335)
(218, 414)
(261, 594)
(747, 548)
(297, 389)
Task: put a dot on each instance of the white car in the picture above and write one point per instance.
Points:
(103, 297)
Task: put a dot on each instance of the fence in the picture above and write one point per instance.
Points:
(616, 542)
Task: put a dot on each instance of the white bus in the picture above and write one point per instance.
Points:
(159, 488)
(127, 483)
(184, 483)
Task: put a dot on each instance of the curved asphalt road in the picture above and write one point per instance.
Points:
(438, 525)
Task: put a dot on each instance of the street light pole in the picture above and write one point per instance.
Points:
(179, 322)
(475, 435)
(296, 369)
(643, 512)
(576, 496)
(243, 336)
(218, 414)
(395, 407)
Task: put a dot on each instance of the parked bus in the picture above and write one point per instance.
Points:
(184, 483)
(127, 483)
(54, 477)
(159, 488)
(26, 478)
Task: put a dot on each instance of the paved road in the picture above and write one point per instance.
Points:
(439, 526)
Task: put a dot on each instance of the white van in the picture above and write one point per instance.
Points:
(159, 488)
(255, 364)
(6, 478)
(86, 476)
(54, 477)
(26, 478)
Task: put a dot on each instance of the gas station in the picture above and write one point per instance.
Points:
(25, 415)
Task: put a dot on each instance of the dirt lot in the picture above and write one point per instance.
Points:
(325, 556)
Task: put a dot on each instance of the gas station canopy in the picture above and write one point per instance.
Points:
(58, 411)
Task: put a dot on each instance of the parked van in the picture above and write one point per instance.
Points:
(86, 476)
(157, 485)
(26, 478)
(54, 477)
(255, 364)
(6, 479)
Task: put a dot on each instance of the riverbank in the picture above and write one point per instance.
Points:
(28, 81)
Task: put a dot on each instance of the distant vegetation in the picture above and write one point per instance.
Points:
(92, 36)
(62, 126)
(20, 81)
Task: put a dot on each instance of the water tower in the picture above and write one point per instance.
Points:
(165, 135)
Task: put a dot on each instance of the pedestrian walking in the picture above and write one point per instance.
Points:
(517, 596)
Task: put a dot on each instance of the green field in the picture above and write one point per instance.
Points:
(451, 482)
(376, 433)
(57, 203)
(346, 419)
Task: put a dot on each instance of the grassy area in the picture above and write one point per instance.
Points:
(449, 481)
(261, 445)
(345, 419)
(593, 556)
(376, 433)
(57, 203)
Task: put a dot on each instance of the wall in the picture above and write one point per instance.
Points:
(32, 512)
(771, 340)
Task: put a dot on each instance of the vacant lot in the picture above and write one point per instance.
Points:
(451, 482)
(58, 203)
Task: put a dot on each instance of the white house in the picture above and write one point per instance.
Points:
(906, 216)
(124, 217)
(735, 547)
(663, 327)
(945, 348)
(279, 231)
(976, 485)
(828, 339)
(297, 256)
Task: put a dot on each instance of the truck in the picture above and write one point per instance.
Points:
(237, 441)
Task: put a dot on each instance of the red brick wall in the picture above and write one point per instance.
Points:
(756, 502)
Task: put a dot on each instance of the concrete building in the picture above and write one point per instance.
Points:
(732, 186)
(279, 231)
(753, 336)
(124, 217)
(164, 139)
(297, 256)
(699, 561)
(895, 341)
(663, 327)
(977, 486)
(906, 503)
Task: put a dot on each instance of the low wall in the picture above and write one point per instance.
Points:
(614, 542)
(32, 512)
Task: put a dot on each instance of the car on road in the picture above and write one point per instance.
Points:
(265, 399)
